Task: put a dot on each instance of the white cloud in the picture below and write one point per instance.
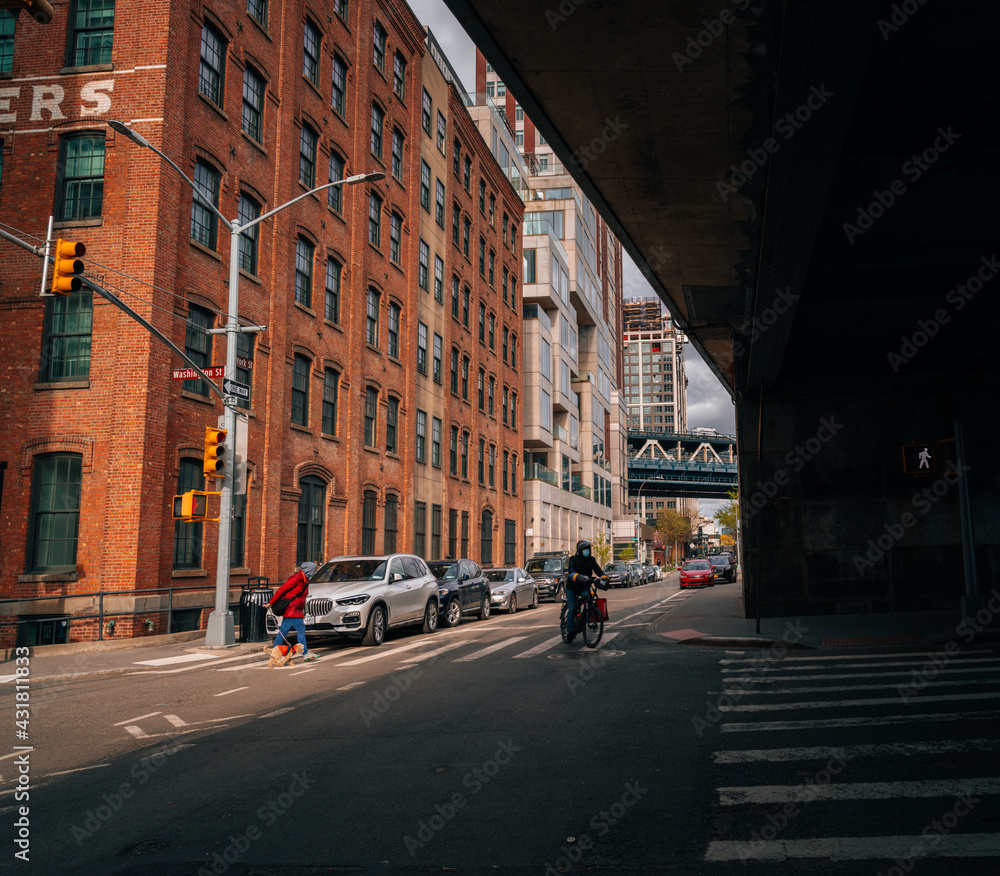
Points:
(458, 47)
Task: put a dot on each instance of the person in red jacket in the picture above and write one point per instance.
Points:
(297, 587)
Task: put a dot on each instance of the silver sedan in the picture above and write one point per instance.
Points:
(511, 588)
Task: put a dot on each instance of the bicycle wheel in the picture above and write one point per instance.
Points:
(593, 627)
(562, 625)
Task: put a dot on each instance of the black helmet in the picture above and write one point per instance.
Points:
(582, 545)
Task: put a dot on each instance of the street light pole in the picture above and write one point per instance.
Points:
(221, 632)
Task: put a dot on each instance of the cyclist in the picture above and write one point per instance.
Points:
(582, 567)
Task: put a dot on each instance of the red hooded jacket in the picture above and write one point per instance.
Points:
(293, 585)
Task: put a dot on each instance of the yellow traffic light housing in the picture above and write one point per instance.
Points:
(215, 452)
(192, 505)
(40, 10)
(68, 266)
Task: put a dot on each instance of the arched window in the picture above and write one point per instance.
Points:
(312, 507)
(368, 522)
(55, 512)
(486, 538)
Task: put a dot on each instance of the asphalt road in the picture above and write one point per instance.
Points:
(495, 748)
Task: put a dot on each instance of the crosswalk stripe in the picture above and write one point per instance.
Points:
(921, 663)
(812, 658)
(906, 848)
(850, 752)
(381, 654)
(538, 649)
(764, 794)
(839, 704)
(417, 658)
(899, 673)
(475, 655)
(819, 723)
(955, 682)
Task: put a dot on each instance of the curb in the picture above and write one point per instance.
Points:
(738, 642)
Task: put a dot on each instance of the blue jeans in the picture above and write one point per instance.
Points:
(287, 625)
(571, 600)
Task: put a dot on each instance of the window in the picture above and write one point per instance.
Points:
(506, 277)
(513, 475)
(492, 465)
(399, 76)
(439, 279)
(198, 346)
(257, 10)
(371, 416)
(420, 529)
(528, 258)
(465, 455)
(481, 389)
(491, 273)
(371, 334)
(503, 405)
(423, 265)
(303, 271)
(439, 206)
(435, 530)
(506, 342)
(8, 24)
(467, 174)
(513, 351)
(441, 132)
(501, 89)
(518, 113)
(211, 73)
(378, 121)
(309, 534)
(392, 337)
(490, 89)
(187, 536)
(341, 7)
(454, 370)
(397, 153)
(513, 410)
(493, 210)
(395, 238)
(505, 229)
(81, 177)
(482, 197)
(391, 423)
(456, 157)
(92, 30)
(249, 210)
(482, 257)
(253, 104)
(204, 222)
(452, 533)
(493, 331)
(425, 112)
(421, 436)
(438, 341)
(300, 390)
(310, 53)
(482, 461)
(506, 471)
(425, 185)
(338, 98)
(331, 310)
(369, 501)
(482, 323)
(486, 538)
(466, 235)
(380, 40)
(421, 348)
(509, 538)
(54, 516)
(465, 533)
(456, 216)
(238, 532)
(374, 220)
(453, 452)
(307, 157)
(436, 443)
(490, 395)
(389, 529)
(465, 378)
(331, 391)
(454, 297)
(335, 194)
(465, 306)
(67, 336)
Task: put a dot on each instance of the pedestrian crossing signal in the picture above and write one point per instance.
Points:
(192, 505)
(924, 459)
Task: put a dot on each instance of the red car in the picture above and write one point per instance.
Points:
(697, 573)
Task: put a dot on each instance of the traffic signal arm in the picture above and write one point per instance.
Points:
(67, 267)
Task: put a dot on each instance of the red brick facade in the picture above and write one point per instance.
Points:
(126, 420)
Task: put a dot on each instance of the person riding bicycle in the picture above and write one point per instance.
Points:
(582, 567)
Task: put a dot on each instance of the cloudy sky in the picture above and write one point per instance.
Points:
(709, 404)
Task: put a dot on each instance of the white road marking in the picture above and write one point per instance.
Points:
(899, 673)
(765, 794)
(138, 732)
(736, 727)
(538, 649)
(812, 658)
(849, 752)
(133, 720)
(886, 685)
(608, 639)
(234, 690)
(352, 685)
(475, 655)
(304, 671)
(903, 848)
(278, 712)
(919, 662)
(840, 704)
(430, 654)
(96, 766)
(218, 662)
(177, 722)
(383, 653)
(180, 658)
(5, 678)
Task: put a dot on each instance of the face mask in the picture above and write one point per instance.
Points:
(586, 552)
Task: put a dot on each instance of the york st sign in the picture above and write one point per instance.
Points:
(47, 101)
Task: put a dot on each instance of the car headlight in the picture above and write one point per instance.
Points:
(354, 600)
(499, 593)
(442, 591)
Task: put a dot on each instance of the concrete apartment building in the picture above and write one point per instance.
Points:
(257, 103)
(574, 456)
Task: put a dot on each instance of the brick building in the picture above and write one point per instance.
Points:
(257, 103)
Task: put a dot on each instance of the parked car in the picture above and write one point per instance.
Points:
(511, 587)
(638, 576)
(462, 589)
(722, 568)
(550, 574)
(619, 574)
(697, 573)
(733, 561)
(363, 597)
(650, 572)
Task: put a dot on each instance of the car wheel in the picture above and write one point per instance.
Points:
(560, 593)
(430, 617)
(484, 607)
(375, 631)
(452, 612)
(534, 598)
(512, 605)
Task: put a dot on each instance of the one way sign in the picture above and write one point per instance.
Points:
(231, 387)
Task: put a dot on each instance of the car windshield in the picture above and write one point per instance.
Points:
(615, 567)
(720, 561)
(699, 565)
(351, 570)
(544, 566)
(444, 571)
(499, 574)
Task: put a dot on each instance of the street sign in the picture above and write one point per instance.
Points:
(243, 362)
(927, 458)
(191, 374)
(529, 532)
(231, 387)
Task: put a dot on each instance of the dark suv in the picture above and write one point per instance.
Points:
(550, 572)
(462, 589)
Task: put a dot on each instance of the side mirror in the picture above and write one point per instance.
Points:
(396, 576)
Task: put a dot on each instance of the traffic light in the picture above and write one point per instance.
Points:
(192, 505)
(67, 267)
(40, 10)
(215, 452)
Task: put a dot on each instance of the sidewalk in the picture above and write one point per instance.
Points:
(713, 616)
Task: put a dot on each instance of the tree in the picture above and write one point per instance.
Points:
(728, 515)
(602, 548)
(672, 527)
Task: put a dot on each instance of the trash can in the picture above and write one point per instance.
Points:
(254, 598)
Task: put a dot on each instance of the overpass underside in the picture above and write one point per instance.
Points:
(811, 189)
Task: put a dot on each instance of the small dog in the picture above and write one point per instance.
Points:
(281, 655)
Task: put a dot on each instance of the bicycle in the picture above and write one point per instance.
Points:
(588, 618)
